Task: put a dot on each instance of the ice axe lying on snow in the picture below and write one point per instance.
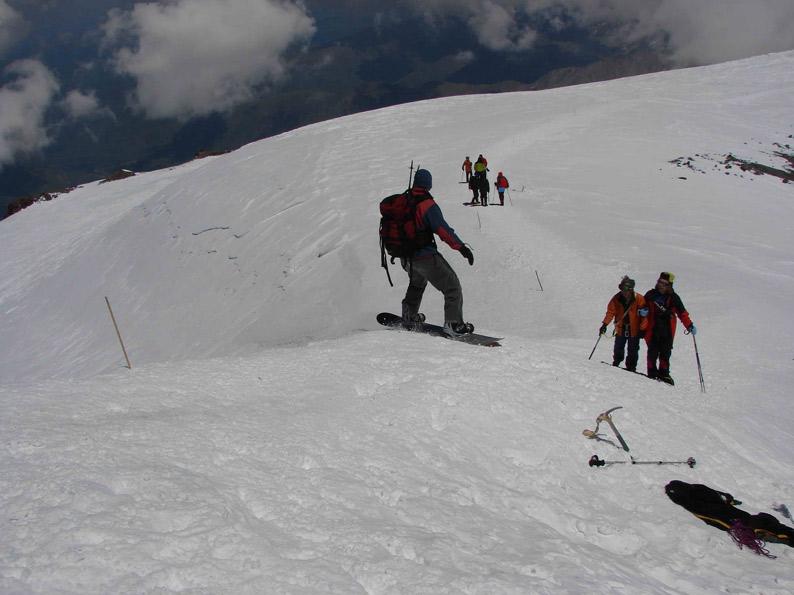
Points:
(606, 417)
(597, 462)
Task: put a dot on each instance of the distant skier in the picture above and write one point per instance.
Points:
(467, 168)
(664, 305)
(501, 185)
(628, 310)
(427, 264)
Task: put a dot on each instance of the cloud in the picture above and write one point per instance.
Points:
(713, 31)
(194, 57)
(77, 104)
(702, 32)
(497, 24)
(691, 32)
(23, 104)
(12, 26)
(497, 28)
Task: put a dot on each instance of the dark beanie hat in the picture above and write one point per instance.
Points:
(423, 179)
(626, 283)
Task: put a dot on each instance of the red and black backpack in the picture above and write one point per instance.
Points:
(400, 236)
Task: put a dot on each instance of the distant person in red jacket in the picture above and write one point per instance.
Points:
(501, 185)
(664, 305)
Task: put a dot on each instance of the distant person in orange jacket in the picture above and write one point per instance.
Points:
(628, 310)
(467, 168)
(664, 305)
(501, 185)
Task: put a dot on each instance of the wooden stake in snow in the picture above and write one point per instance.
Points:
(113, 318)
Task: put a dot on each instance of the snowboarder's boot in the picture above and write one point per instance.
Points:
(456, 329)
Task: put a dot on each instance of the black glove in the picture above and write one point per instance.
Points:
(466, 252)
(602, 330)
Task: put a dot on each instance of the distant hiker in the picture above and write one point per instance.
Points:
(628, 310)
(474, 186)
(480, 166)
(501, 185)
(428, 265)
(484, 187)
(664, 305)
(467, 168)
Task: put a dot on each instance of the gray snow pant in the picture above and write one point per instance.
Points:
(439, 273)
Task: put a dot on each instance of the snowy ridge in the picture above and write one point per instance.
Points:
(272, 438)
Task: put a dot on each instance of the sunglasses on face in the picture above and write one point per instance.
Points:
(664, 283)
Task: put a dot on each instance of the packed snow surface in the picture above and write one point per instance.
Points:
(270, 437)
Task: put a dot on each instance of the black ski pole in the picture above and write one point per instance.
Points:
(596, 462)
(411, 175)
(594, 346)
(700, 370)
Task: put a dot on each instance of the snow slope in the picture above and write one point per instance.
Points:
(271, 438)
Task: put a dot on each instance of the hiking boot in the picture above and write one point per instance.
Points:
(652, 373)
(615, 362)
(631, 369)
(456, 329)
(665, 377)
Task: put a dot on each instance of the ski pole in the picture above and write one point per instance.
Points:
(118, 333)
(700, 370)
(596, 462)
(509, 197)
(594, 346)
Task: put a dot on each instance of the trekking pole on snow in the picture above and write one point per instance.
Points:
(118, 333)
(596, 462)
(510, 198)
(700, 370)
(594, 346)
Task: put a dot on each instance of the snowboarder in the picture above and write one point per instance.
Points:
(428, 265)
(501, 185)
(467, 168)
(664, 305)
(628, 311)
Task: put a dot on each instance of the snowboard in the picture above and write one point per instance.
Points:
(396, 322)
